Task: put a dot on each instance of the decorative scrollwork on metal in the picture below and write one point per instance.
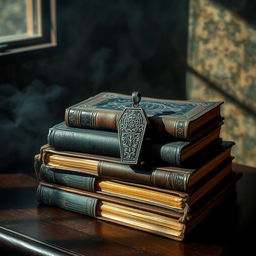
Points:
(131, 130)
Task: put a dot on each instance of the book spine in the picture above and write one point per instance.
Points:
(158, 178)
(172, 181)
(68, 179)
(83, 142)
(97, 208)
(102, 144)
(66, 200)
(90, 119)
(181, 130)
(169, 152)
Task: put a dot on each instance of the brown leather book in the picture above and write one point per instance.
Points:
(173, 178)
(168, 199)
(180, 119)
(136, 215)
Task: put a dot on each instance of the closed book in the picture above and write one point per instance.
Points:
(151, 219)
(168, 199)
(180, 119)
(167, 177)
(62, 137)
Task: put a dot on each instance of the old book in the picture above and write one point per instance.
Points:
(152, 219)
(169, 199)
(168, 177)
(62, 137)
(180, 119)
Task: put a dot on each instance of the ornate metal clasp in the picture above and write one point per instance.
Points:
(132, 126)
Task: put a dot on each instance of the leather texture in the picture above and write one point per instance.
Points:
(66, 178)
(204, 186)
(62, 137)
(172, 178)
(190, 221)
(68, 201)
(177, 118)
(69, 179)
(159, 178)
(108, 198)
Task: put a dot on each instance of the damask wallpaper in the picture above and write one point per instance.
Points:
(222, 66)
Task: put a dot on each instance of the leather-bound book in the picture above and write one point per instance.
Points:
(168, 199)
(167, 177)
(183, 120)
(132, 214)
(62, 137)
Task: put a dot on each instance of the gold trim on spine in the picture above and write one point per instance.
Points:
(93, 119)
(175, 128)
(99, 168)
(78, 117)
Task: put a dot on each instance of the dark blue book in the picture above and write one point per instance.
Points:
(62, 137)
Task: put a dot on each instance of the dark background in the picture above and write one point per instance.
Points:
(118, 46)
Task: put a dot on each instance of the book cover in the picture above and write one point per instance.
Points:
(62, 137)
(168, 199)
(180, 119)
(133, 215)
(168, 177)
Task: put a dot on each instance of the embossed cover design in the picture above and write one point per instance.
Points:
(131, 130)
(153, 107)
(171, 117)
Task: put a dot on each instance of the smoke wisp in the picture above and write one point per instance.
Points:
(25, 117)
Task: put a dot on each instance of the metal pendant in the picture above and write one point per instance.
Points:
(132, 126)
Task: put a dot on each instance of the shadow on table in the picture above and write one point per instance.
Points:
(24, 197)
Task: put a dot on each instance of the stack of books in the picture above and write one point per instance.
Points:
(186, 171)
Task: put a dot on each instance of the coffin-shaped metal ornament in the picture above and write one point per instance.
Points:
(132, 126)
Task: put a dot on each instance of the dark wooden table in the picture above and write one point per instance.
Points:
(29, 229)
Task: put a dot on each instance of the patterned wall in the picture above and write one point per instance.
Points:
(222, 66)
